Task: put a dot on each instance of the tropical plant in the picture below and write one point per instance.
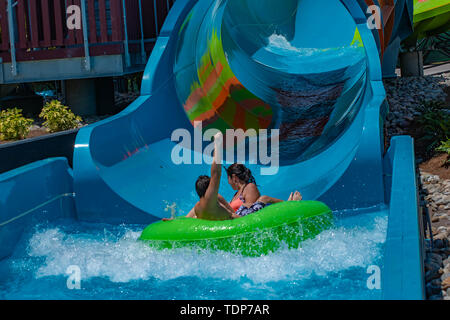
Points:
(59, 117)
(13, 125)
(435, 123)
(445, 147)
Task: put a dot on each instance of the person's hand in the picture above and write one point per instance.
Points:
(218, 138)
(218, 145)
(297, 196)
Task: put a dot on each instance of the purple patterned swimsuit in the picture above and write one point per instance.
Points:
(244, 211)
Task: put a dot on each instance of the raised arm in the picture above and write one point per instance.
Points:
(216, 170)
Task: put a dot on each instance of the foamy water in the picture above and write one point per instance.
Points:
(303, 60)
(117, 257)
(123, 258)
(277, 41)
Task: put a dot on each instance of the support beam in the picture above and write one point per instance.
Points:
(87, 56)
(141, 22)
(105, 96)
(125, 42)
(411, 64)
(81, 96)
(12, 39)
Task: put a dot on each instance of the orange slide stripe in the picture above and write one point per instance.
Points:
(202, 92)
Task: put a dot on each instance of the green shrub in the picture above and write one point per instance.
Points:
(59, 117)
(13, 125)
(435, 123)
(445, 147)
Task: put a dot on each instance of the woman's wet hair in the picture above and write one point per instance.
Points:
(242, 172)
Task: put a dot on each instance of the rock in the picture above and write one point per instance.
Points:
(436, 282)
(432, 266)
(442, 229)
(445, 251)
(439, 237)
(438, 251)
(442, 200)
(439, 243)
(403, 124)
(431, 179)
(434, 231)
(431, 275)
(432, 289)
(445, 284)
(447, 243)
(446, 269)
(437, 258)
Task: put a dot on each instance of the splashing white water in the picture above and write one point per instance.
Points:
(277, 41)
(124, 259)
(279, 45)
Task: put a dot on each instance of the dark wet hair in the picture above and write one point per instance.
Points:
(242, 172)
(202, 185)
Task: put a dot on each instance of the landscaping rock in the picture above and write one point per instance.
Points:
(433, 289)
(431, 275)
(445, 284)
(436, 258)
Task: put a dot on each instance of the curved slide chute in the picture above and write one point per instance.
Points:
(308, 70)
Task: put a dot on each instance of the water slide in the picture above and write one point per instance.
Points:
(311, 69)
(431, 17)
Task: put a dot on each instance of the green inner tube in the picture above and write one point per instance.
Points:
(285, 224)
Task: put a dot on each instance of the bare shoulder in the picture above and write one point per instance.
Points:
(251, 193)
(251, 188)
